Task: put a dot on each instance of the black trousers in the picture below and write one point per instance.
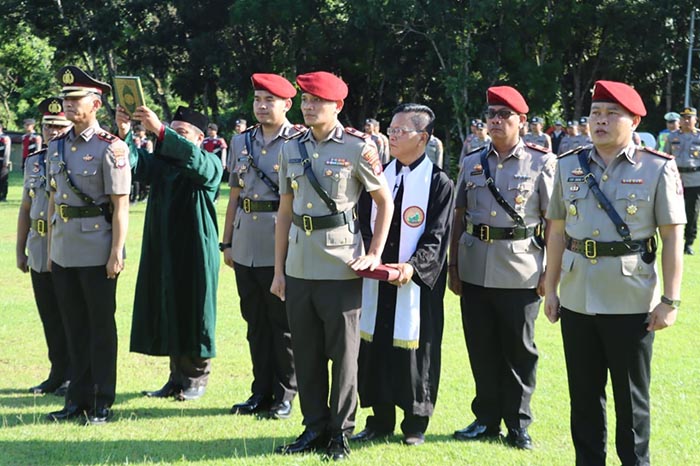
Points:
(269, 337)
(499, 328)
(4, 175)
(324, 317)
(54, 329)
(691, 195)
(189, 371)
(594, 345)
(383, 420)
(87, 301)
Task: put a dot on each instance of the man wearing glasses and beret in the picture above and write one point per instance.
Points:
(496, 267)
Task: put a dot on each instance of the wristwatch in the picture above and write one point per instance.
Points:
(675, 303)
(224, 246)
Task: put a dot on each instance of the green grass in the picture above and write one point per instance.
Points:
(147, 431)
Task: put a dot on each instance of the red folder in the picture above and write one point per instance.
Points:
(383, 272)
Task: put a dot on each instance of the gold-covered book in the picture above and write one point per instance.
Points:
(129, 92)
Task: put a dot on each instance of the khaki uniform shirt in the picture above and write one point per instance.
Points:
(253, 242)
(435, 151)
(524, 178)
(686, 148)
(345, 164)
(646, 191)
(572, 142)
(541, 140)
(35, 192)
(98, 165)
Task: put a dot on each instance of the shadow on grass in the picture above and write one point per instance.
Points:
(19, 398)
(60, 453)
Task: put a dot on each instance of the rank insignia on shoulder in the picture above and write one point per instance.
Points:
(356, 133)
(105, 136)
(537, 147)
(372, 157)
(658, 152)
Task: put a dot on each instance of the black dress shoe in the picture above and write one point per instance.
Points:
(61, 391)
(368, 434)
(47, 386)
(476, 431)
(252, 405)
(166, 391)
(281, 410)
(413, 440)
(688, 250)
(191, 393)
(99, 416)
(338, 448)
(308, 441)
(70, 411)
(519, 438)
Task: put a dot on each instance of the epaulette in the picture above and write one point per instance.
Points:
(294, 131)
(251, 128)
(537, 147)
(572, 151)
(38, 152)
(105, 136)
(657, 152)
(356, 133)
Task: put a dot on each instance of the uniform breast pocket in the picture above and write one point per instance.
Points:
(475, 187)
(88, 175)
(519, 192)
(339, 237)
(337, 180)
(574, 200)
(695, 151)
(99, 223)
(632, 202)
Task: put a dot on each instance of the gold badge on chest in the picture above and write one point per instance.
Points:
(572, 210)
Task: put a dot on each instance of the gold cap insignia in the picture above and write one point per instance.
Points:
(68, 77)
(55, 107)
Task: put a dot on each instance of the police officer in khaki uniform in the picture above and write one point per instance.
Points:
(584, 130)
(536, 135)
(435, 150)
(480, 139)
(569, 141)
(685, 145)
(89, 179)
(32, 250)
(5, 152)
(608, 203)
(249, 245)
(318, 247)
(496, 266)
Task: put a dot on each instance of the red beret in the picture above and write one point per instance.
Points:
(620, 93)
(324, 85)
(508, 96)
(274, 84)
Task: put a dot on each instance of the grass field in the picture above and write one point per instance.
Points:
(147, 431)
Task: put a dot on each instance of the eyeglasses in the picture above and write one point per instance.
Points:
(398, 132)
(502, 114)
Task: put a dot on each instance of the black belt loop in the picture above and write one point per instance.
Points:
(249, 205)
(309, 223)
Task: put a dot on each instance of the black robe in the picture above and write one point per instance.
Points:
(407, 378)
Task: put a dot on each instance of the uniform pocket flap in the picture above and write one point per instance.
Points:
(633, 193)
(339, 237)
(98, 223)
(634, 265)
(521, 185)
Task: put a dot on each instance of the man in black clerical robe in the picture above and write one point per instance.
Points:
(399, 362)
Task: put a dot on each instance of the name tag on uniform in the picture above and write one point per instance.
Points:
(576, 179)
(477, 172)
(294, 160)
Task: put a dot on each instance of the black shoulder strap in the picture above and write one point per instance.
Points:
(495, 192)
(312, 178)
(87, 199)
(265, 179)
(622, 228)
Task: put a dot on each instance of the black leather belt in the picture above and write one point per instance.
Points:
(487, 233)
(688, 169)
(248, 205)
(39, 225)
(309, 223)
(66, 211)
(592, 249)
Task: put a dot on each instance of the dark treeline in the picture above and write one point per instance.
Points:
(444, 53)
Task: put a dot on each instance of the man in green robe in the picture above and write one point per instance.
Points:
(175, 301)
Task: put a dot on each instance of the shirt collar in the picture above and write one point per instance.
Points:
(336, 135)
(628, 153)
(412, 166)
(517, 151)
(87, 133)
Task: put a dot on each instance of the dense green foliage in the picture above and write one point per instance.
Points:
(441, 52)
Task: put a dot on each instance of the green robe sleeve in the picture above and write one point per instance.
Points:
(140, 161)
(203, 167)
